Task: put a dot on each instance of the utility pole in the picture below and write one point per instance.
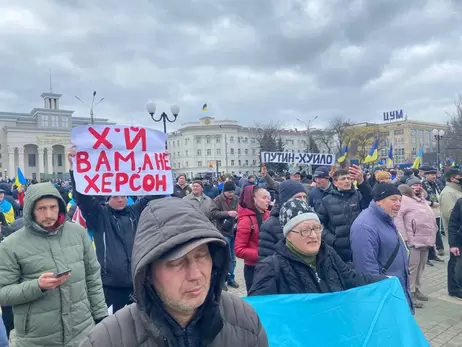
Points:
(91, 107)
(308, 130)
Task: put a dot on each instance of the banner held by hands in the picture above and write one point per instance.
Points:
(121, 160)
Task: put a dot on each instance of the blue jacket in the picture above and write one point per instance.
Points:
(373, 239)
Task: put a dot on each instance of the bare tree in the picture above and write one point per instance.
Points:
(268, 139)
(324, 137)
(453, 138)
(338, 126)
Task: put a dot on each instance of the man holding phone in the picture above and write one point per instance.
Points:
(49, 274)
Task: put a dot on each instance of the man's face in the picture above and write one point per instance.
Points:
(46, 212)
(183, 284)
(431, 177)
(2, 196)
(229, 194)
(343, 182)
(197, 189)
(181, 180)
(322, 182)
(117, 202)
(296, 177)
(421, 173)
(391, 205)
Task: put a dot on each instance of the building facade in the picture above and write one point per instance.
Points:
(406, 136)
(224, 146)
(37, 141)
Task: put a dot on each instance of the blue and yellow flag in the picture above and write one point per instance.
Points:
(373, 153)
(20, 179)
(390, 156)
(204, 107)
(344, 156)
(418, 159)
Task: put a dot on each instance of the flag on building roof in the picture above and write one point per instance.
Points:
(204, 107)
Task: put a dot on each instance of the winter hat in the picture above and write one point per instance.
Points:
(384, 190)
(294, 212)
(199, 182)
(428, 169)
(413, 180)
(288, 189)
(382, 175)
(452, 172)
(322, 172)
(229, 187)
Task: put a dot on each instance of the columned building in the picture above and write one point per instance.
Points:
(37, 141)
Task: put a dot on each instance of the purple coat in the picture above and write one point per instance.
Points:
(373, 238)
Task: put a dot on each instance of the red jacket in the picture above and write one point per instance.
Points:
(246, 242)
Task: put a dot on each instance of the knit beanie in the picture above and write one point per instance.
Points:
(384, 190)
(293, 212)
(413, 180)
(229, 187)
(288, 189)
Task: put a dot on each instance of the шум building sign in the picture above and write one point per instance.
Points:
(53, 140)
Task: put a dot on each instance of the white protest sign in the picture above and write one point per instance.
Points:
(298, 158)
(121, 160)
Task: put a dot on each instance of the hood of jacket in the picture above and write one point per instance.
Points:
(164, 225)
(34, 193)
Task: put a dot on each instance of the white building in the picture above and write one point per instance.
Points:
(223, 146)
(37, 141)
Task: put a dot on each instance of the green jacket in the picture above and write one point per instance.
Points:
(448, 198)
(60, 317)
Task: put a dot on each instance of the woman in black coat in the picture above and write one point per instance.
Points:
(302, 263)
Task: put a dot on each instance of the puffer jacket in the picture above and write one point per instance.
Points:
(270, 234)
(60, 317)
(337, 212)
(285, 273)
(247, 235)
(416, 223)
(113, 233)
(455, 226)
(224, 319)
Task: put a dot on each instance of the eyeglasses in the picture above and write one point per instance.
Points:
(307, 232)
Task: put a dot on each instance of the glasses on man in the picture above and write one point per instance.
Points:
(307, 232)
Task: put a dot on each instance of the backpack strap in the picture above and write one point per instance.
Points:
(252, 227)
(392, 258)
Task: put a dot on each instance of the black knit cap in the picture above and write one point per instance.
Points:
(229, 186)
(288, 189)
(384, 190)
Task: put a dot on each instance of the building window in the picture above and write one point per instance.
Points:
(44, 121)
(231, 139)
(187, 164)
(239, 162)
(199, 164)
(232, 162)
(218, 151)
(254, 151)
(246, 163)
(186, 153)
(60, 160)
(198, 140)
(246, 151)
(54, 121)
(207, 140)
(178, 143)
(219, 163)
(217, 139)
(179, 155)
(254, 162)
(64, 122)
(199, 152)
(238, 151)
(414, 140)
(31, 160)
(399, 132)
(209, 152)
(231, 151)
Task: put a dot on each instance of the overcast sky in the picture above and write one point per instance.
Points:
(249, 60)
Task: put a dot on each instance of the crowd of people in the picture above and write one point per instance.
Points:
(80, 270)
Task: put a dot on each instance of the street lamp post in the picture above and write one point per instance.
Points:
(438, 135)
(226, 150)
(175, 109)
(308, 147)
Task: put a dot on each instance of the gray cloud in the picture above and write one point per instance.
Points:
(249, 60)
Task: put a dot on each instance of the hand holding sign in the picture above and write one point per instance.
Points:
(120, 160)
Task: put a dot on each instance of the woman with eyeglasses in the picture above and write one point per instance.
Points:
(302, 262)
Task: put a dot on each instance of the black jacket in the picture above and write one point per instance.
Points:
(211, 191)
(285, 273)
(179, 192)
(270, 235)
(337, 212)
(113, 233)
(316, 195)
(455, 226)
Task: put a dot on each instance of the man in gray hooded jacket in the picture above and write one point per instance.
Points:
(180, 263)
